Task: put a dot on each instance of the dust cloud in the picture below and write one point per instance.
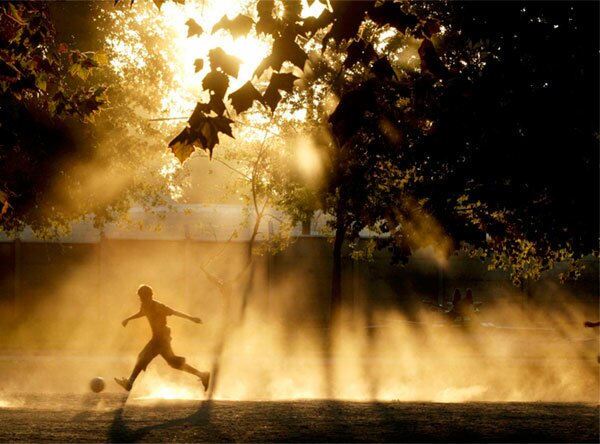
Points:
(279, 348)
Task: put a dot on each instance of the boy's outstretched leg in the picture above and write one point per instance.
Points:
(204, 376)
(144, 358)
(178, 362)
(125, 383)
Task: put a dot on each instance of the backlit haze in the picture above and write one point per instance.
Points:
(269, 340)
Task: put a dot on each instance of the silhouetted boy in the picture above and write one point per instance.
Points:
(160, 344)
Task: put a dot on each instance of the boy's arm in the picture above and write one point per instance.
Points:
(186, 316)
(139, 314)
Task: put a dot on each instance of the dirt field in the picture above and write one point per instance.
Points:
(112, 417)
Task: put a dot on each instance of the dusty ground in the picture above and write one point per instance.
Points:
(111, 417)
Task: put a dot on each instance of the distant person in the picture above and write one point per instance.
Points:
(160, 344)
(454, 312)
(467, 306)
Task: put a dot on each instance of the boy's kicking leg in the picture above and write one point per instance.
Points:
(146, 355)
(178, 362)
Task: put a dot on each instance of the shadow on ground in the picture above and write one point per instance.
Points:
(338, 421)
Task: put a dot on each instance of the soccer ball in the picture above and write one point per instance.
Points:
(97, 384)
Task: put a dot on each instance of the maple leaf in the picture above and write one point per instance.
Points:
(430, 60)
(215, 105)
(182, 145)
(198, 65)
(310, 25)
(270, 26)
(348, 17)
(237, 27)
(159, 3)
(391, 14)
(229, 64)
(223, 125)
(272, 98)
(279, 82)
(242, 99)
(193, 28)
(202, 131)
(217, 82)
(284, 49)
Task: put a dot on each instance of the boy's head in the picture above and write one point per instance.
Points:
(145, 292)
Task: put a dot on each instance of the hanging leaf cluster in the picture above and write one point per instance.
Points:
(287, 29)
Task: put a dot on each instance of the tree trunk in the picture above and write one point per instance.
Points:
(336, 275)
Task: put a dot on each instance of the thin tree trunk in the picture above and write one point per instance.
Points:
(336, 276)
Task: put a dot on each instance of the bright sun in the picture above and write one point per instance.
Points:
(251, 50)
(180, 98)
(144, 33)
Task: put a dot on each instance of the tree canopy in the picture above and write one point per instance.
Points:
(61, 158)
(462, 124)
(491, 143)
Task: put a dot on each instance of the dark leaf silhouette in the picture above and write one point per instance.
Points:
(284, 82)
(266, 22)
(269, 26)
(237, 27)
(193, 28)
(228, 64)
(272, 97)
(430, 60)
(359, 51)
(198, 65)
(347, 19)
(182, 145)
(284, 49)
(215, 105)
(217, 82)
(391, 14)
(222, 124)
(202, 132)
(279, 82)
(310, 25)
(242, 99)
(383, 69)
(199, 114)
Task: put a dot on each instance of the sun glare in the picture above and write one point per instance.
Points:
(180, 51)
(183, 50)
(309, 162)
